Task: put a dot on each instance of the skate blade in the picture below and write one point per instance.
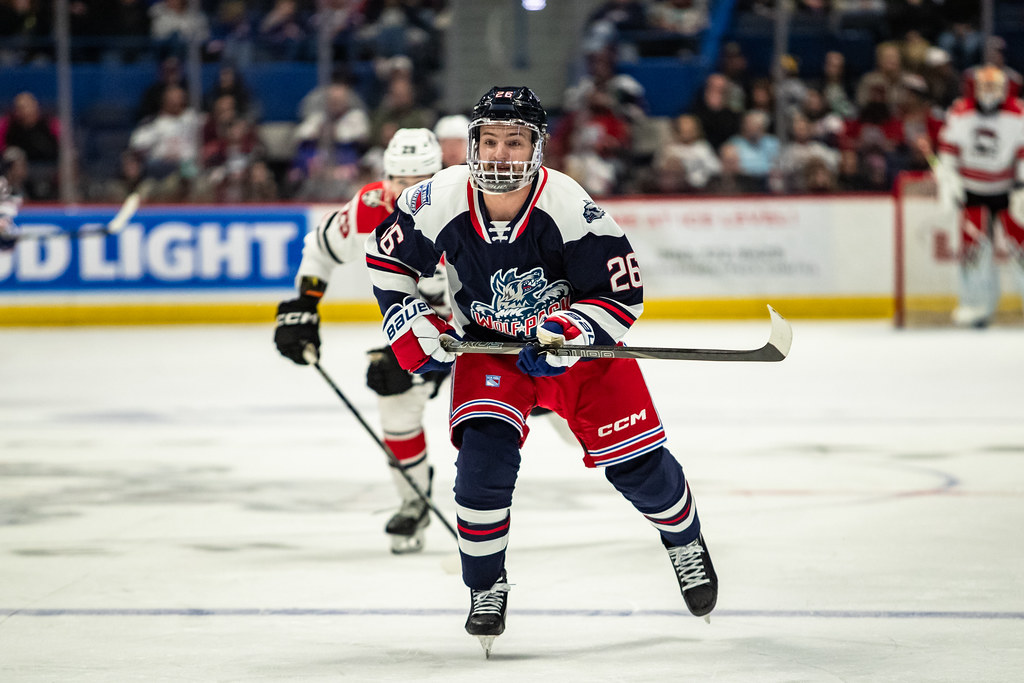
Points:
(486, 642)
(404, 545)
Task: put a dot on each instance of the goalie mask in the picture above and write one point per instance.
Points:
(412, 152)
(990, 88)
(515, 107)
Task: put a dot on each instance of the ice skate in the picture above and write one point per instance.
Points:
(486, 618)
(696, 575)
(405, 528)
(971, 316)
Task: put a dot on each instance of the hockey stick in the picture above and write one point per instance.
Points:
(116, 224)
(313, 358)
(776, 349)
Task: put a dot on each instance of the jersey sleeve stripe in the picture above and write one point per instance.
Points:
(324, 240)
(613, 307)
(386, 266)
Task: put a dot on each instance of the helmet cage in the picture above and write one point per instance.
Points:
(504, 176)
(990, 88)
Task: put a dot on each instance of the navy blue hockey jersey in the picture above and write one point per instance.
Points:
(561, 251)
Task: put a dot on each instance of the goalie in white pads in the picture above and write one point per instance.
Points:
(980, 170)
(530, 257)
(412, 155)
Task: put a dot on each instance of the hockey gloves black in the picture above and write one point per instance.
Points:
(385, 375)
(298, 324)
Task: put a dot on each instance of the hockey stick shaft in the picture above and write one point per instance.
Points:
(116, 224)
(313, 358)
(776, 349)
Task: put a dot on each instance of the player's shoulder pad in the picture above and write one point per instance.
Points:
(573, 209)
(443, 194)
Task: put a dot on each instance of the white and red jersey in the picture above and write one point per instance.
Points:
(986, 148)
(341, 236)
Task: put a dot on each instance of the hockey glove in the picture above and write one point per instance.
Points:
(949, 184)
(298, 324)
(384, 375)
(413, 331)
(562, 328)
(1017, 205)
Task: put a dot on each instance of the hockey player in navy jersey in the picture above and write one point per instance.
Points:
(529, 257)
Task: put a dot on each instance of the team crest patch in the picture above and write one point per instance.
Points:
(420, 197)
(492, 381)
(591, 211)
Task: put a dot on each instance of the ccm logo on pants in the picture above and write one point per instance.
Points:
(624, 423)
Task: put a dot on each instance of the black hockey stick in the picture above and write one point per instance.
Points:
(776, 349)
(313, 358)
(116, 224)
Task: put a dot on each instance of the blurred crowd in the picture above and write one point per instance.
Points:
(818, 128)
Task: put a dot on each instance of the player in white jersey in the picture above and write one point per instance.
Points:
(981, 170)
(10, 202)
(412, 155)
(530, 257)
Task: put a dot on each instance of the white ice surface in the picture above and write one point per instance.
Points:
(182, 504)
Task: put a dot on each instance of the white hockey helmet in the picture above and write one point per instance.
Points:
(412, 152)
(453, 126)
(990, 87)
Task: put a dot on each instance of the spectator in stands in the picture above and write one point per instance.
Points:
(681, 23)
(718, 121)
(758, 149)
(887, 74)
(733, 65)
(38, 137)
(917, 112)
(229, 160)
(168, 145)
(170, 75)
(131, 173)
(819, 178)
(230, 82)
(962, 40)
(283, 32)
(791, 89)
(876, 128)
(231, 34)
(851, 174)
(826, 125)
(452, 132)
(762, 99)
(14, 164)
(330, 144)
(794, 166)
(174, 24)
(624, 92)
(688, 163)
(592, 144)
(399, 27)
(612, 24)
(732, 179)
(835, 87)
(397, 110)
(125, 21)
(942, 79)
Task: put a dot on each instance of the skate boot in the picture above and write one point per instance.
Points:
(696, 575)
(405, 528)
(486, 618)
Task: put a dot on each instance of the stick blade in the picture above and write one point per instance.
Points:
(781, 337)
(124, 214)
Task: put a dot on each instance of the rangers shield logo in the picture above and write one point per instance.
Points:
(420, 197)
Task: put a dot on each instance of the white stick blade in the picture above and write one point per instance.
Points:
(121, 218)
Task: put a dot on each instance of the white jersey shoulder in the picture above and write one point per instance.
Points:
(433, 203)
(574, 211)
